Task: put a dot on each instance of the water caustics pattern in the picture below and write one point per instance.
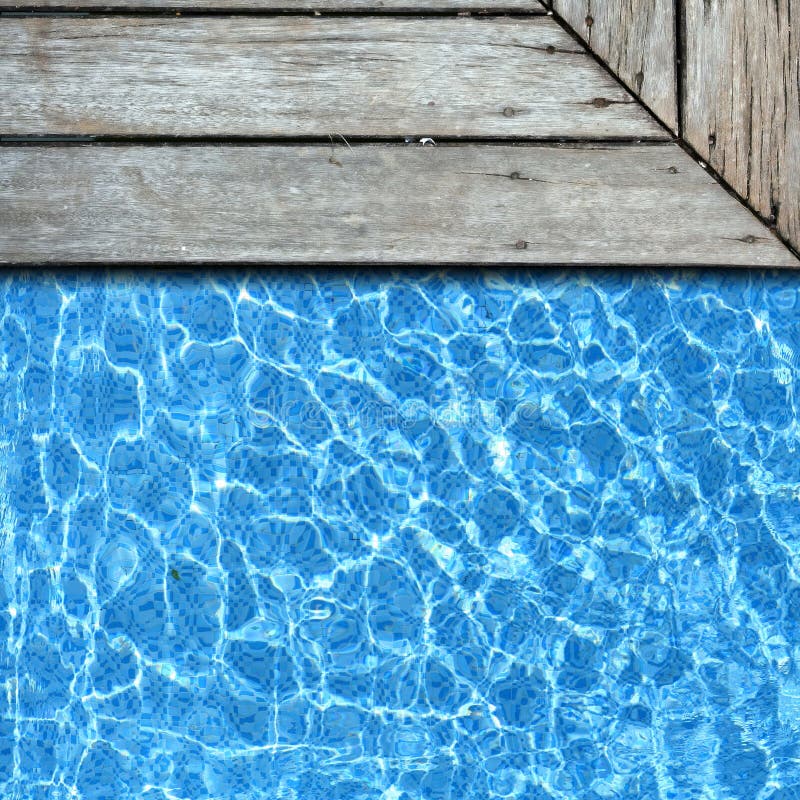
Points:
(400, 536)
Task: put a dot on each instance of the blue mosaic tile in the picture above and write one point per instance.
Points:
(413, 536)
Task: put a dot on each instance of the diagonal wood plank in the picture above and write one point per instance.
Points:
(291, 76)
(580, 204)
(636, 38)
(742, 109)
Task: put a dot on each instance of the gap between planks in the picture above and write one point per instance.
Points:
(371, 7)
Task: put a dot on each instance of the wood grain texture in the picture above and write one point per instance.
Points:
(636, 38)
(291, 76)
(580, 204)
(742, 100)
(494, 6)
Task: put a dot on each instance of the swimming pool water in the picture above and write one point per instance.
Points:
(412, 536)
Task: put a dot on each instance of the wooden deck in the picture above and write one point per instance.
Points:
(722, 74)
(351, 131)
(637, 40)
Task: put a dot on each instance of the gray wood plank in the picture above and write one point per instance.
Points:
(636, 38)
(494, 6)
(742, 100)
(535, 204)
(291, 76)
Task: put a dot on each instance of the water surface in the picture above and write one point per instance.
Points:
(420, 536)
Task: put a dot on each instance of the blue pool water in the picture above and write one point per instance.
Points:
(400, 537)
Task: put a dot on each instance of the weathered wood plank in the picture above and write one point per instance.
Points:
(295, 76)
(636, 38)
(580, 204)
(742, 109)
(532, 6)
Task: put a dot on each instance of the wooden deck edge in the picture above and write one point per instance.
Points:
(470, 204)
